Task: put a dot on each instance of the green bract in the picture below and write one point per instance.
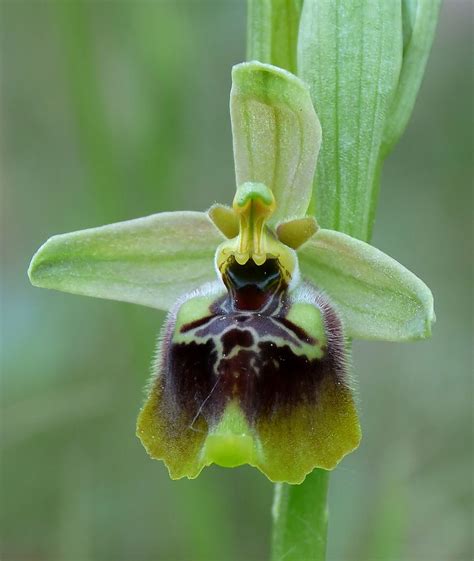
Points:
(363, 61)
(253, 288)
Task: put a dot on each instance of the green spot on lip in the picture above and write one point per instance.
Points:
(229, 444)
(229, 450)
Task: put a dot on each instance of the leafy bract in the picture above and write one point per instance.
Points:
(419, 24)
(272, 31)
(350, 55)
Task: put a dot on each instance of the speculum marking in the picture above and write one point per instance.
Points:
(253, 355)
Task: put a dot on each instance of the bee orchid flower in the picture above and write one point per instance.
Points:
(253, 361)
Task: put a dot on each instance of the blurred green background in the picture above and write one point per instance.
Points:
(114, 110)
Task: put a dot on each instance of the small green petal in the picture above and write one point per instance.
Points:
(149, 261)
(276, 135)
(377, 297)
(225, 219)
(295, 233)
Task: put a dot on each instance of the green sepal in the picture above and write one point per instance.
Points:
(149, 261)
(276, 135)
(376, 296)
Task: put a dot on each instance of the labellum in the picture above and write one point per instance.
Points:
(252, 368)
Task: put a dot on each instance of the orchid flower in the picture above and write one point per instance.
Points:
(252, 364)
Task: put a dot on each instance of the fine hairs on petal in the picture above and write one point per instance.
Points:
(165, 334)
(334, 327)
(296, 275)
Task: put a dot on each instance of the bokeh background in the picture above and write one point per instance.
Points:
(115, 110)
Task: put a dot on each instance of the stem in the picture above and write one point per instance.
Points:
(259, 30)
(300, 518)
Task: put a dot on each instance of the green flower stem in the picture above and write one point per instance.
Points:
(272, 32)
(300, 518)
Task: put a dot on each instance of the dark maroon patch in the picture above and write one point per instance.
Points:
(188, 379)
(196, 323)
(250, 298)
(236, 338)
(286, 380)
(252, 286)
(269, 382)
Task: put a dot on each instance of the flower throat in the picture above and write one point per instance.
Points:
(252, 287)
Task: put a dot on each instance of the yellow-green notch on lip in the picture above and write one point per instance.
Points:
(230, 444)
